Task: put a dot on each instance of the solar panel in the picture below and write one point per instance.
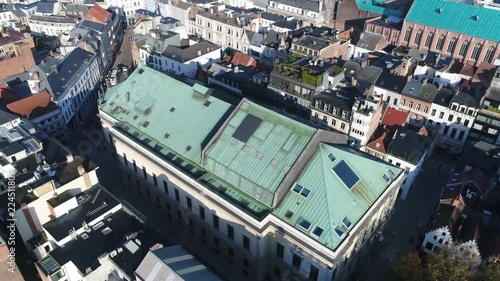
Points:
(344, 172)
(247, 127)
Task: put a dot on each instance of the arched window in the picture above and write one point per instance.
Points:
(428, 40)
(439, 44)
(475, 52)
(463, 49)
(407, 34)
(451, 45)
(417, 37)
(489, 54)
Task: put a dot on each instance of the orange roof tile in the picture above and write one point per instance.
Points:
(242, 59)
(33, 106)
(379, 144)
(97, 13)
(394, 117)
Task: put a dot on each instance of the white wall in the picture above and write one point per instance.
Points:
(434, 237)
(412, 171)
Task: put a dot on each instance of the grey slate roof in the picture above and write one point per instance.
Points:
(312, 5)
(46, 7)
(412, 88)
(465, 98)
(344, 101)
(369, 40)
(271, 17)
(186, 54)
(99, 27)
(18, 13)
(167, 263)
(76, 9)
(257, 39)
(6, 117)
(443, 97)
(66, 70)
(12, 149)
(369, 74)
(314, 43)
(391, 82)
(409, 146)
(271, 38)
(289, 24)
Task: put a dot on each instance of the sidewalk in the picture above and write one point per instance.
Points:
(408, 222)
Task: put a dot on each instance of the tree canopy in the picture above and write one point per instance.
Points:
(443, 265)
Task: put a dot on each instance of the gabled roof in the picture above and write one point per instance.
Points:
(330, 204)
(173, 263)
(33, 106)
(46, 7)
(484, 74)
(465, 98)
(186, 54)
(394, 117)
(312, 5)
(427, 92)
(391, 82)
(241, 59)
(369, 41)
(380, 143)
(456, 16)
(443, 97)
(256, 149)
(97, 13)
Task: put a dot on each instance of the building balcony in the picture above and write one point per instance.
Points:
(490, 111)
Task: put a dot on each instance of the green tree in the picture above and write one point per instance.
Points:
(407, 268)
(488, 271)
(447, 264)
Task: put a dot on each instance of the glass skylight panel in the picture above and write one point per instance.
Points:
(304, 224)
(305, 192)
(346, 174)
(297, 188)
(339, 231)
(346, 222)
(386, 178)
(318, 231)
(331, 156)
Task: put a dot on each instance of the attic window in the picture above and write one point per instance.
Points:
(346, 222)
(386, 178)
(317, 231)
(141, 71)
(339, 231)
(166, 135)
(245, 202)
(304, 223)
(145, 124)
(207, 103)
(288, 214)
(297, 188)
(475, 18)
(439, 10)
(331, 156)
(172, 109)
(382, 83)
(188, 148)
(135, 117)
(305, 192)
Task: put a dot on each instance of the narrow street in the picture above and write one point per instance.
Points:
(109, 175)
(409, 221)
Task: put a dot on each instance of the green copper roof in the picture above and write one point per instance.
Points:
(374, 7)
(256, 149)
(455, 16)
(330, 204)
(428, 92)
(170, 112)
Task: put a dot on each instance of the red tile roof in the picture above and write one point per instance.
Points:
(394, 117)
(379, 144)
(33, 106)
(242, 59)
(484, 74)
(97, 13)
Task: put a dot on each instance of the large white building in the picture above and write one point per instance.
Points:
(258, 183)
(51, 25)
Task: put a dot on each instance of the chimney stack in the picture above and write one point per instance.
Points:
(440, 86)
(425, 81)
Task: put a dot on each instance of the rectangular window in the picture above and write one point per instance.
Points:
(453, 132)
(144, 173)
(135, 167)
(177, 196)
(410, 104)
(246, 263)
(296, 261)
(230, 252)
(445, 130)
(313, 273)
(216, 242)
(459, 120)
(280, 250)
(395, 101)
(165, 186)
(441, 115)
(189, 203)
(202, 212)
(155, 180)
(403, 101)
(466, 123)
(246, 243)
(230, 232)
(461, 135)
(417, 108)
(125, 159)
(216, 221)
(450, 118)
(433, 112)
